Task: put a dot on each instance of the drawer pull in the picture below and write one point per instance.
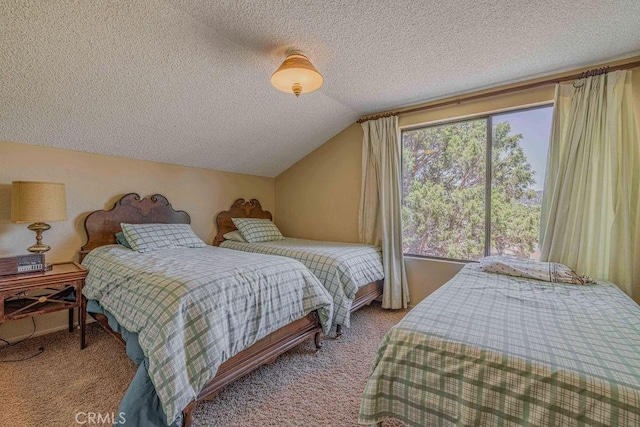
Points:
(42, 299)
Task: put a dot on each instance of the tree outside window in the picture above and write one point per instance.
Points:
(447, 210)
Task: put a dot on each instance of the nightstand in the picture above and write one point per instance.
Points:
(32, 294)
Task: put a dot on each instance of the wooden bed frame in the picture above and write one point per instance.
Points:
(101, 227)
(252, 209)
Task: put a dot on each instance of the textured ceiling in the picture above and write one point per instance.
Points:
(187, 81)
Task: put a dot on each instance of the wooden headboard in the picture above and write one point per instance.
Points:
(102, 226)
(239, 209)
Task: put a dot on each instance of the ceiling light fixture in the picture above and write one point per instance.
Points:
(297, 74)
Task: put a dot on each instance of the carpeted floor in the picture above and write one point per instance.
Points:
(299, 389)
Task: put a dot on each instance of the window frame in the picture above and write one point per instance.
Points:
(488, 167)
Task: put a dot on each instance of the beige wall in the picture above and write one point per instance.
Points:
(320, 194)
(96, 182)
(318, 197)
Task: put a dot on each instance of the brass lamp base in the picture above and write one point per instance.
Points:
(39, 247)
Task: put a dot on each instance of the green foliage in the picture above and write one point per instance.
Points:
(443, 181)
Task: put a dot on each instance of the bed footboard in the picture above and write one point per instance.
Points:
(260, 353)
(364, 296)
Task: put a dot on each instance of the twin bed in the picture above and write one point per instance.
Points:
(194, 319)
(488, 349)
(351, 273)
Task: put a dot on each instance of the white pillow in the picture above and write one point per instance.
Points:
(235, 236)
(255, 230)
(545, 271)
(150, 237)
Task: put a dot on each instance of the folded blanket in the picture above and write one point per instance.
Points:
(545, 271)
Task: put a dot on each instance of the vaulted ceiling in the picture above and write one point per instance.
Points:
(187, 81)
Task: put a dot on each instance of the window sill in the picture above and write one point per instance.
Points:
(434, 259)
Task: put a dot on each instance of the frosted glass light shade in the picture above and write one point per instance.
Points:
(297, 75)
(38, 201)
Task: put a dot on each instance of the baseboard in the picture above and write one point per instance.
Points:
(40, 332)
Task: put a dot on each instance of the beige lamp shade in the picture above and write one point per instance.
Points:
(38, 201)
(297, 74)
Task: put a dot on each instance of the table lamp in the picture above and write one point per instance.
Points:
(38, 202)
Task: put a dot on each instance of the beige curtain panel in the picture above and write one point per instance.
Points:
(590, 210)
(380, 210)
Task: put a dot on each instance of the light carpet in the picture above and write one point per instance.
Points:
(301, 388)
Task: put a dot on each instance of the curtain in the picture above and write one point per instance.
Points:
(590, 209)
(380, 210)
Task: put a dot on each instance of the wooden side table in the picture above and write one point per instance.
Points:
(32, 294)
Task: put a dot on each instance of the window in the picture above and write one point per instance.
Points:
(453, 208)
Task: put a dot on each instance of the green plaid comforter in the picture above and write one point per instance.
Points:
(492, 350)
(194, 308)
(341, 267)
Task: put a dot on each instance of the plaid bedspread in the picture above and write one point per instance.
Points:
(341, 267)
(492, 350)
(194, 308)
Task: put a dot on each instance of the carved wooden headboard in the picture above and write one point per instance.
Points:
(239, 209)
(101, 226)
